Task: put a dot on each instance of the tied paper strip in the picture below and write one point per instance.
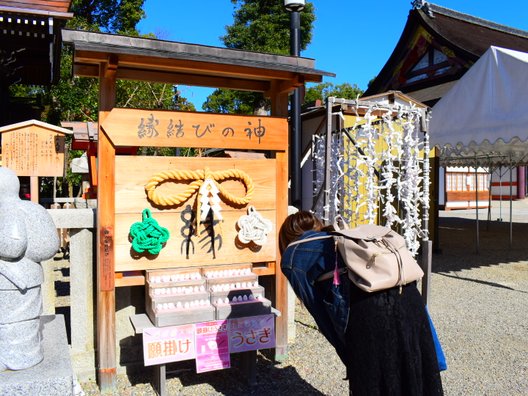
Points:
(253, 228)
(209, 200)
(401, 192)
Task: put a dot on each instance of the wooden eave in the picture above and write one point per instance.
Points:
(40, 13)
(37, 123)
(361, 106)
(468, 37)
(392, 96)
(84, 133)
(54, 8)
(153, 60)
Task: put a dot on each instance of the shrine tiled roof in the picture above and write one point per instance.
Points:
(463, 36)
(474, 35)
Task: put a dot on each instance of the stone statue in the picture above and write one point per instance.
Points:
(27, 237)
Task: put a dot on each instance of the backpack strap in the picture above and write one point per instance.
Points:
(327, 275)
(317, 238)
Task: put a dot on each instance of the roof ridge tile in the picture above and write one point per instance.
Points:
(434, 8)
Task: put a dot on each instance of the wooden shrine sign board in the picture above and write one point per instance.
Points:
(196, 238)
(33, 148)
(111, 58)
(145, 128)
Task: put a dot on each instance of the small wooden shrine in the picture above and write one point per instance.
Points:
(35, 149)
(171, 189)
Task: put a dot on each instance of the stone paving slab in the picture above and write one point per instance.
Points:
(51, 377)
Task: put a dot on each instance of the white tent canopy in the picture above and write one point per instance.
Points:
(483, 119)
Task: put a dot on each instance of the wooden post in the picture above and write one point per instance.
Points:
(434, 199)
(427, 258)
(279, 106)
(34, 188)
(106, 331)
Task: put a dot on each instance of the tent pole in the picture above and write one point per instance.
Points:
(500, 193)
(489, 196)
(511, 204)
(476, 205)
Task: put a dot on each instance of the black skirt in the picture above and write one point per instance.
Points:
(390, 348)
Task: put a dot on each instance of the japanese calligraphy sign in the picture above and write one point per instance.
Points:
(212, 346)
(146, 128)
(33, 151)
(168, 344)
(210, 343)
(251, 333)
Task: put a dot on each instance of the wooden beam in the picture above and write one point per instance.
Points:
(197, 67)
(138, 67)
(281, 87)
(85, 70)
(111, 66)
(93, 57)
(91, 153)
(122, 280)
(279, 108)
(279, 100)
(281, 283)
(106, 332)
(173, 77)
(194, 79)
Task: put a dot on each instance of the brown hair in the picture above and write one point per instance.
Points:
(295, 225)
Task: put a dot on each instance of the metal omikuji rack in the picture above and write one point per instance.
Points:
(376, 171)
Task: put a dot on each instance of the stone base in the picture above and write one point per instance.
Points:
(51, 377)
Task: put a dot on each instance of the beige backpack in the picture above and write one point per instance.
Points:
(376, 256)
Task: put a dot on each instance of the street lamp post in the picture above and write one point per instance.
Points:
(294, 7)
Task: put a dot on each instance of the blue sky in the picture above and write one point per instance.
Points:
(351, 38)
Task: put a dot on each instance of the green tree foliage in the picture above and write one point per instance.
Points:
(230, 101)
(264, 26)
(72, 99)
(261, 26)
(110, 16)
(325, 90)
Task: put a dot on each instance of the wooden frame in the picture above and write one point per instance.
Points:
(111, 57)
(34, 148)
(123, 127)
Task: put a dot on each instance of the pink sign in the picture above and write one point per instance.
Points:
(251, 333)
(168, 344)
(212, 346)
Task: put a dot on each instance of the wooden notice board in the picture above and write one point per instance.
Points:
(146, 128)
(34, 149)
(197, 244)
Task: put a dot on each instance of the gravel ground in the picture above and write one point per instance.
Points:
(478, 302)
(312, 368)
